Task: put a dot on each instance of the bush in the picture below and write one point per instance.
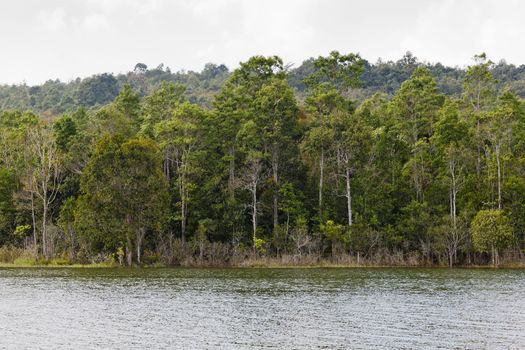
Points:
(9, 254)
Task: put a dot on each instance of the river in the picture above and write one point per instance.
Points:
(327, 308)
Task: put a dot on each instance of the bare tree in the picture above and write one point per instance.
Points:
(250, 181)
(45, 175)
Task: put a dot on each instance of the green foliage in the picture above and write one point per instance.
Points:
(491, 229)
(97, 90)
(390, 161)
(342, 71)
(334, 232)
(65, 129)
(8, 187)
(124, 192)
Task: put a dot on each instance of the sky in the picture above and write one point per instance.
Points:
(65, 39)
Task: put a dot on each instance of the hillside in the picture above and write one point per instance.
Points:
(55, 97)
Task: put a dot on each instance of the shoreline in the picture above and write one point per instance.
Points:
(513, 266)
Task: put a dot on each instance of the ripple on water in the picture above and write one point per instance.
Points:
(262, 308)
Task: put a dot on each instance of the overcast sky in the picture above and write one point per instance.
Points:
(69, 38)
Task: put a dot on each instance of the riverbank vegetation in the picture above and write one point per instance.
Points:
(268, 172)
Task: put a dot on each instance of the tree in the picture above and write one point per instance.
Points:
(128, 103)
(352, 142)
(479, 84)
(416, 105)
(333, 74)
(97, 90)
(46, 175)
(300, 236)
(277, 118)
(123, 195)
(252, 171)
(140, 68)
(451, 140)
(491, 232)
(497, 133)
(8, 188)
(451, 235)
(159, 105)
(181, 139)
(479, 95)
(321, 105)
(418, 168)
(335, 233)
(337, 70)
(64, 130)
(241, 100)
(66, 222)
(291, 204)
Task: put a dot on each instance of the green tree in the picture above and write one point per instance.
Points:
(159, 105)
(276, 111)
(7, 204)
(416, 105)
(128, 103)
(181, 139)
(123, 195)
(491, 232)
(352, 142)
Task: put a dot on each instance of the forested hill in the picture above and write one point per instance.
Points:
(55, 97)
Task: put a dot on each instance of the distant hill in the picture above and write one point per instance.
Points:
(55, 97)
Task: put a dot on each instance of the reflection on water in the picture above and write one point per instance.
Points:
(262, 308)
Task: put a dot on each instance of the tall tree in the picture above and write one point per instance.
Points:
(46, 162)
(333, 75)
(124, 194)
(479, 95)
(181, 138)
(277, 118)
(352, 141)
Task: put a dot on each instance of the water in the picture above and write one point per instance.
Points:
(262, 309)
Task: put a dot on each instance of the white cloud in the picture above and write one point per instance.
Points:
(53, 20)
(186, 34)
(95, 22)
(453, 31)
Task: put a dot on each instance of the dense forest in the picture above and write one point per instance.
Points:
(337, 160)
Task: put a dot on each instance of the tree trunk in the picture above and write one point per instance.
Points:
(254, 214)
(140, 237)
(321, 180)
(129, 252)
(44, 227)
(231, 178)
(275, 171)
(348, 197)
(33, 218)
(499, 174)
(453, 203)
(183, 207)
(167, 164)
(73, 241)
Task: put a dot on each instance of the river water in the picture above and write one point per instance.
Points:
(262, 308)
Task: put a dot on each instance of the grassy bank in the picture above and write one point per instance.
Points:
(19, 257)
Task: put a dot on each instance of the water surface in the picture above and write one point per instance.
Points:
(262, 308)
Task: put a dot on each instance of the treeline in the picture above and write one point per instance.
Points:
(414, 177)
(55, 97)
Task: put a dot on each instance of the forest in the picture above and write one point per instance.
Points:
(337, 161)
